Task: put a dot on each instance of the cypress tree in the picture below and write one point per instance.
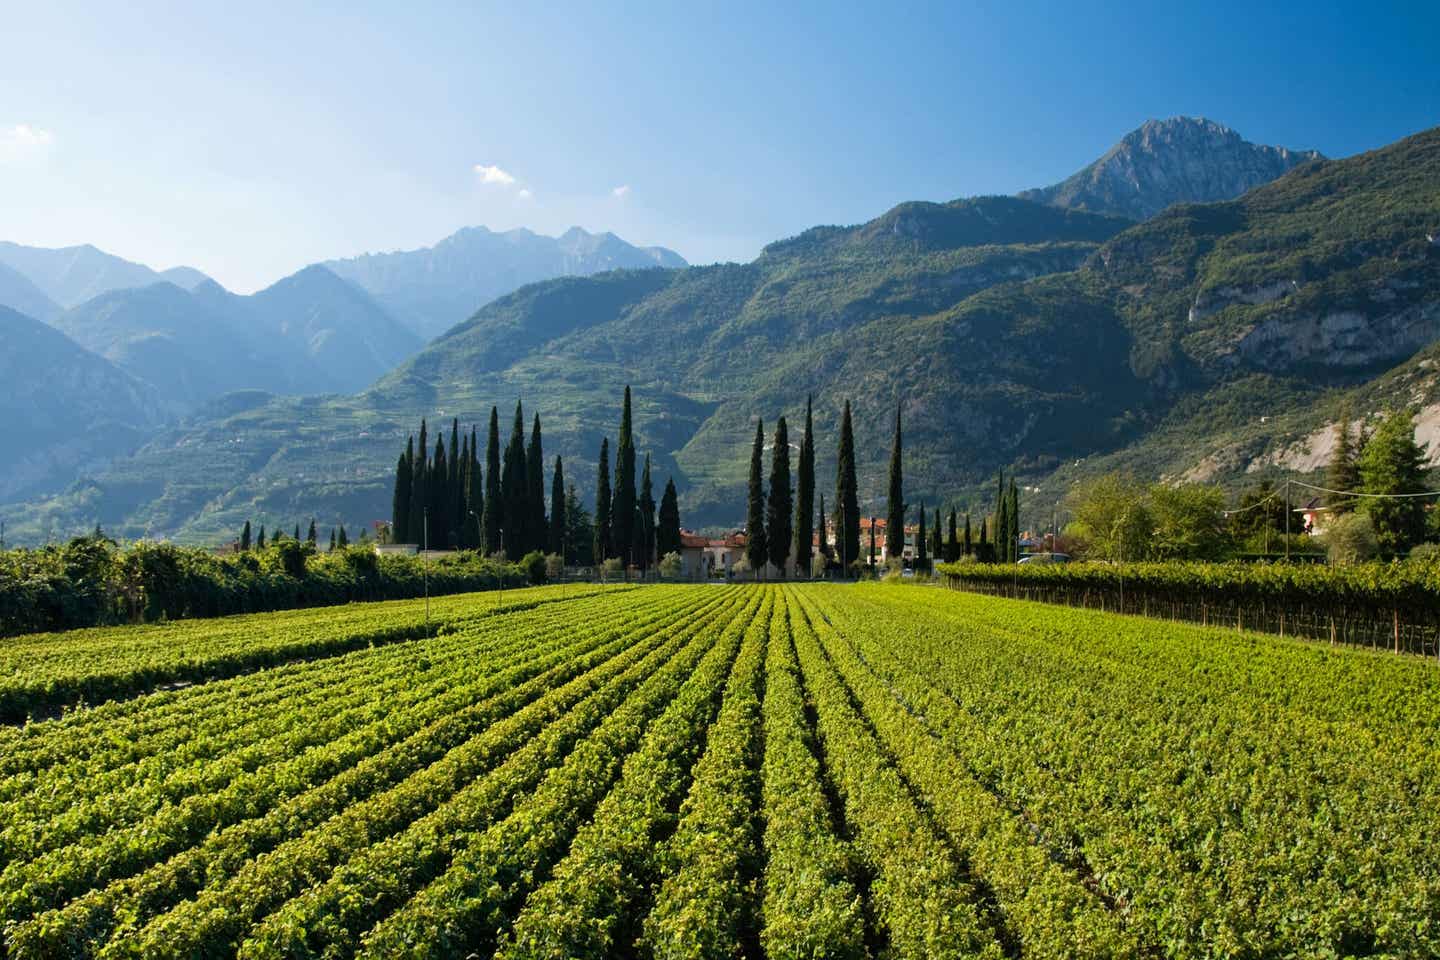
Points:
(755, 549)
(579, 531)
(824, 535)
(460, 495)
(1343, 472)
(1012, 512)
(557, 510)
(895, 514)
(332, 539)
(667, 534)
(622, 514)
(261, 542)
(966, 545)
(454, 493)
(603, 534)
(936, 545)
(535, 490)
(400, 508)
(643, 556)
(805, 496)
(297, 533)
(922, 555)
(952, 545)
(436, 497)
(343, 540)
(847, 497)
(310, 534)
(514, 489)
(475, 498)
(419, 488)
(984, 523)
(245, 538)
(778, 533)
(494, 512)
(1002, 522)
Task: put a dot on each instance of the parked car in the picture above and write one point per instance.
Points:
(1046, 558)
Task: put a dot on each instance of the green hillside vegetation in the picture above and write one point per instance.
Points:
(1012, 334)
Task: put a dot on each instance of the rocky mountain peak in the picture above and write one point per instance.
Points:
(1164, 162)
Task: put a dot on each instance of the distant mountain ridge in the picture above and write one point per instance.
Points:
(433, 288)
(63, 409)
(71, 275)
(1164, 162)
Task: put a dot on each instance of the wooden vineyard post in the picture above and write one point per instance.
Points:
(1239, 613)
(1396, 612)
(1282, 622)
(1332, 629)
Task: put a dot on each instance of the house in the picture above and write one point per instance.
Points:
(704, 557)
(1313, 517)
(882, 556)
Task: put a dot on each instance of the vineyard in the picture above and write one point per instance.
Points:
(778, 771)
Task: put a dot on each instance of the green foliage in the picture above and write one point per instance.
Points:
(535, 568)
(756, 551)
(1392, 464)
(1189, 522)
(1112, 520)
(1350, 539)
(779, 534)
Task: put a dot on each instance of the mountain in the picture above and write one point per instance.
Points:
(22, 296)
(1213, 341)
(62, 409)
(433, 288)
(72, 275)
(1164, 162)
(309, 333)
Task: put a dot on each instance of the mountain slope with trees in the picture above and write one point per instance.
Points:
(1011, 335)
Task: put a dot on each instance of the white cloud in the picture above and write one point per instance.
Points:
(489, 173)
(525, 193)
(23, 140)
(620, 191)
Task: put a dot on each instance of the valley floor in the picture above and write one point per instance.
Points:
(716, 771)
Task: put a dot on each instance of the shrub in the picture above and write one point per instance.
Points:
(1351, 539)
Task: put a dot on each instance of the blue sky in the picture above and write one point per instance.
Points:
(248, 139)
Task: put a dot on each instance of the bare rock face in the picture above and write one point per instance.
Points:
(1179, 160)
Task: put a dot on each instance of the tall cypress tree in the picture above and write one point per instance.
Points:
(514, 490)
(922, 554)
(895, 513)
(475, 498)
(847, 496)
(755, 548)
(1012, 513)
(535, 489)
(297, 533)
(556, 543)
(952, 542)
(622, 514)
(779, 532)
(342, 540)
(604, 535)
(419, 488)
(245, 538)
(824, 535)
(646, 536)
(1002, 521)
(400, 508)
(462, 497)
(1343, 472)
(454, 493)
(966, 545)
(667, 533)
(494, 512)
(310, 534)
(805, 496)
(439, 500)
(260, 543)
(332, 539)
(936, 545)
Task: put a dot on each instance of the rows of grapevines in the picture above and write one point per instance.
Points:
(1219, 822)
(46, 671)
(430, 712)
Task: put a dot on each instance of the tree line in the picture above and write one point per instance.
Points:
(448, 500)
